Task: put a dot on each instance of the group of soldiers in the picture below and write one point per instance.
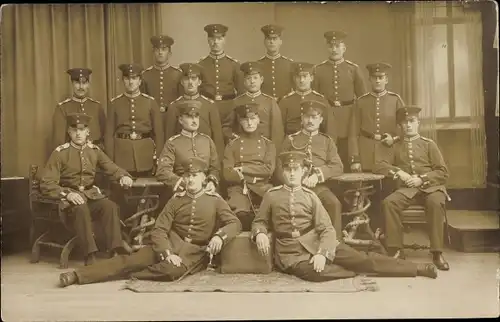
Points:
(271, 133)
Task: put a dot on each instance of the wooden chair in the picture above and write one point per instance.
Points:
(49, 228)
(415, 215)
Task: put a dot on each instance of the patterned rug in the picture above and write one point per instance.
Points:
(274, 282)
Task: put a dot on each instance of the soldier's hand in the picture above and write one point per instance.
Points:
(210, 187)
(174, 260)
(263, 245)
(75, 198)
(388, 139)
(215, 245)
(313, 180)
(126, 181)
(307, 182)
(414, 182)
(404, 176)
(377, 137)
(356, 167)
(318, 262)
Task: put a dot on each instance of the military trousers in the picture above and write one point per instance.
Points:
(332, 206)
(342, 148)
(103, 210)
(143, 264)
(349, 262)
(242, 205)
(434, 204)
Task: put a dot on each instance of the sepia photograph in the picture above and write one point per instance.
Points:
(249, 161)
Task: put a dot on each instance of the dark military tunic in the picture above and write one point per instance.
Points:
(127, 115)
(291, 112)
(417, 156)
(374, 113)
(184, 228)
(177, 151)
(73, 105)
(271, 122)
(341, 82)
(210, 122)
(257, 156)
(277, 75)
(162, 83)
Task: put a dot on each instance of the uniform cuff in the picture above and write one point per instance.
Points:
(394, 173)
(163, 255)
(257, 232)
(240, 175)
(425, 180)
(319, 173)
(325, 252)
(221, 234)
(178, 184)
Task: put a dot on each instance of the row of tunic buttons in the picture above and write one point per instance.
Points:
(82, 107)
(241, 147)
(274, 81)
(161, 88)
(410, 155)
(335, 82)
(132, 111)
(83, 167)
(378, 114)
(216, 77)
(193, 210)
(193, 145)
(292, 211)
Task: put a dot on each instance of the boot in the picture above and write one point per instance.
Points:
(90, 259)
(427, 270)
(68, 278)
(439, 261)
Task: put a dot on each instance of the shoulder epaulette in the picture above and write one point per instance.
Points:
(265, 139)
(65, 101)
(177, 99)
(268, 96)
(426, 139)
(317, 93)
(179, 194)
(275, 188)
(365, 94)
(294, 134)
(261, 58)
(214, 194)
(205, 135)
(176, 68)
(235, 60)
(203, 58)
(289, 94)
(232, 140)
(287, 58)
(240, 95)
(308, 190)
(62, 147)
(395, 94)
(92, 146)
(174, 137)
(206, 98)
(114, 98)
(325, 135)
(93, 100)
(323, 62)
(351, 63)
(146, 95)
(149, 68)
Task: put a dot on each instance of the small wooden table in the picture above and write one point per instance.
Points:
(357, 232)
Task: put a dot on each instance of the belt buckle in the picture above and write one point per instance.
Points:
(218, 97)
(162, 109)
(336, 104)
(133, 135)
(295, 234)
(188, 240)
(81, 188)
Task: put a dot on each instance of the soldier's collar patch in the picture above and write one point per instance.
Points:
(309, 91)
(197, 95)
(214, 56)
(189, 134)
(78, 147)
(337, 62)
(413, 138)
(384, 92)
(310, 133)
(287, 188)
(278, 55)
(253, 95)
(132, 96)
(79, 100)
(161, 67)
(196, 195)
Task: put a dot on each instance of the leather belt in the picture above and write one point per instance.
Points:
(133, 135)
(191, 241)
(81, 188)
(220, 97)
(293, 234)
(340, 103)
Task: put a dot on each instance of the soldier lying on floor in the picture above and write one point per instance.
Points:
(186, 230)
(306, 243)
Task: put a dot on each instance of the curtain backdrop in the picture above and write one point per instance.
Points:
(39, 43)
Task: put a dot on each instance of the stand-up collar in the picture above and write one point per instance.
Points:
(195, 96)
(79, 100)
(379, 94)
(189, 134)
(310, 133)
(287, 188)
(214, 56)
(161, 67)
(309, 91)
(413, 138)
(132, 95)
(336, 62)
(253, 95)
(278, 55)
(196, 195)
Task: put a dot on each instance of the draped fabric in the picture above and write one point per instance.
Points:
(40, 42)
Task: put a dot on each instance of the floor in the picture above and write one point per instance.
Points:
(469, 289)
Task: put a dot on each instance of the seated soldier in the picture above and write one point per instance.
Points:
(306, 244)
(185, 231)
(189, 143)
(69, 175)
(421, 173)
(249, 162)
(322, 152)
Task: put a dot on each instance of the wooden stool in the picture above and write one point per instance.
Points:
(240, 256)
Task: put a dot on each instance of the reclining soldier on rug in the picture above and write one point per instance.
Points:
(186, 230)
(306, 244)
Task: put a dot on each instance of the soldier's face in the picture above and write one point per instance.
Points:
(410, 125)
(194, 181)
(132, 83)
(336, 50)
(78, 135)
(311, 122)
(162, 55)
(250, 123)
(303, 81)
(293, 175)
(253, 82)
(273, 44)
(80, 88)
(190, 84)
(190, 122)
(216, 43)
(378, 82)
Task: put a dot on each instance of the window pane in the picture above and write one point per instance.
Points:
(439, 52)
(462, 71)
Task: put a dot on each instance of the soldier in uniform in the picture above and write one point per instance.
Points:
(69, 176)
(161, 80)
(189, 143)
(134, 126)
(271, 122)
(418, 167)
(306, 244)
(275, 67)
(223, 79)
(79, 103)
(249, 162)
(185, 231)
(322, 153)
(341, 81)
(291, 109)
(210, 122)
